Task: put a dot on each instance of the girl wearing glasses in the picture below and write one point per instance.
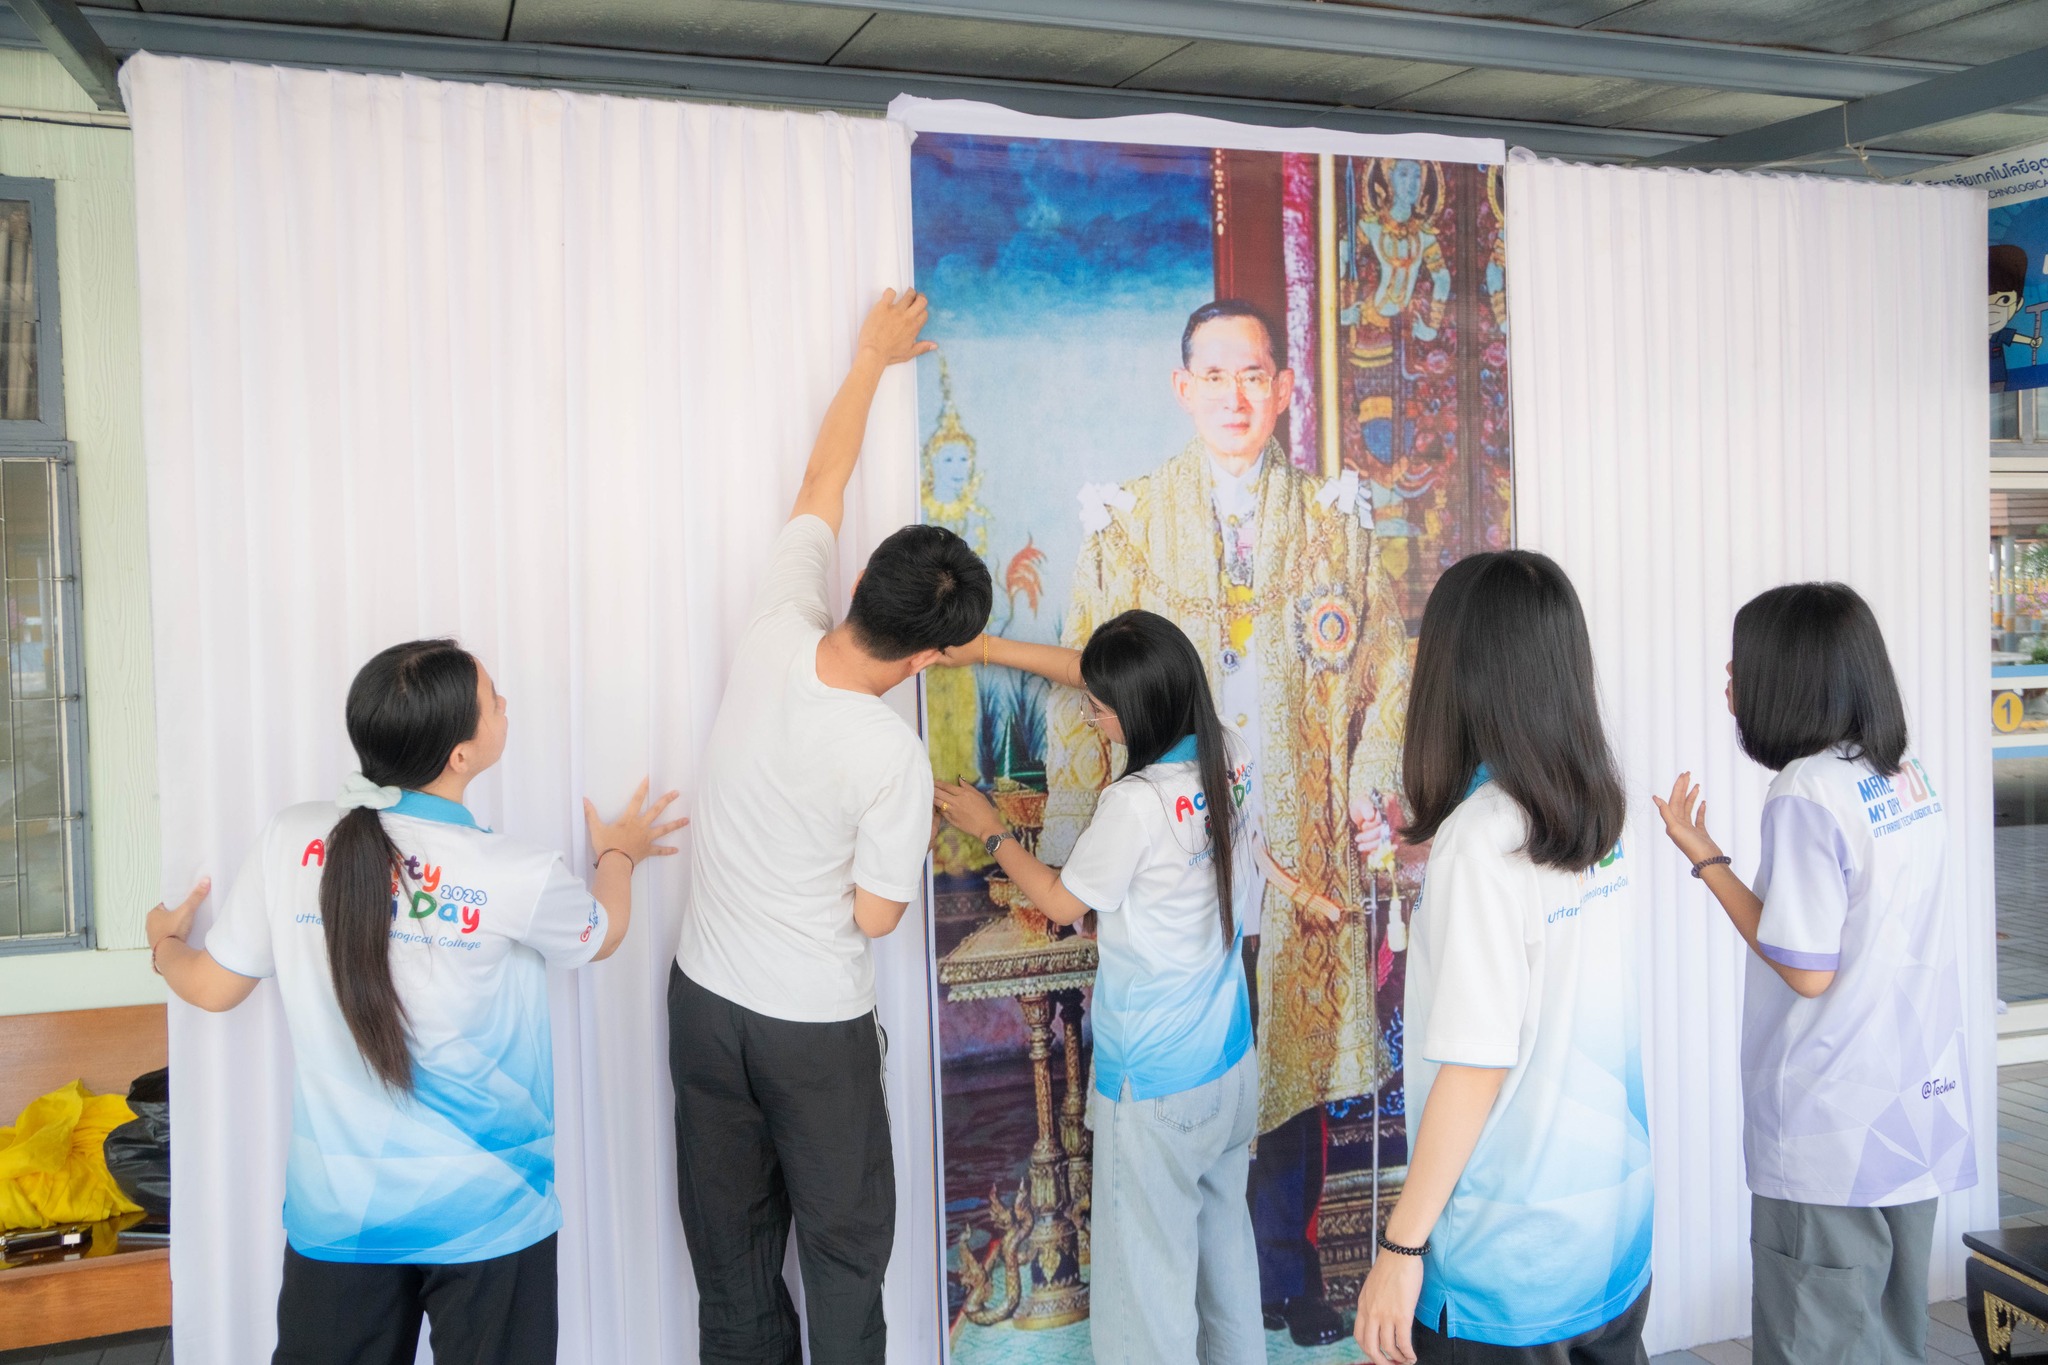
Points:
(1175, 1100)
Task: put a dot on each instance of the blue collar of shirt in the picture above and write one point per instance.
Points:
(1187, 751)
(1479, 779)
(421, 806)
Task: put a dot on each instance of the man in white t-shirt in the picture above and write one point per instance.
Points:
(812, 827)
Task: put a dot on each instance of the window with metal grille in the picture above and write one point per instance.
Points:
(43, 842)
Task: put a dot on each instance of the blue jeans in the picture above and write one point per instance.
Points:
(1171, 1230)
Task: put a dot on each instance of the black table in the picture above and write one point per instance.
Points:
(2006, 1282)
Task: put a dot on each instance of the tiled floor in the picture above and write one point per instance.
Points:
(132, 1348)
(2022, 858)
(2023, 1145)
(1948, 1343)
(2022, 1201)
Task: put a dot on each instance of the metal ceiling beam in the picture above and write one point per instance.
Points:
(1449, 39)
(805, 86)
(783, 83)
(1978, 90)
(59, 27)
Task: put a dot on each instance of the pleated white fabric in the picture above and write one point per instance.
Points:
(1722, 383)
(541, 371)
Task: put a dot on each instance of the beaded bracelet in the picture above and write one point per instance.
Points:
(1400, 1250)
(1723, 861)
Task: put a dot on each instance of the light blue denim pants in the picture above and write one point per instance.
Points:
(1175, 1273)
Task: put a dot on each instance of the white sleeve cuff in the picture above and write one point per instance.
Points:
(888, 891)
(1463, 1052)
(230, 965)
(1094, 900)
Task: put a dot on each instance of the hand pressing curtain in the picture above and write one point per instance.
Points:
(538, 370)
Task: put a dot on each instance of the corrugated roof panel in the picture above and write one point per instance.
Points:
(1984, 37)
(1973, 136)
(1719, 112)
(1567, 13)
(1825, 25)
(1209, 68)
(710, 28)
(1025, 52)
(443, 18)
(1598, 101)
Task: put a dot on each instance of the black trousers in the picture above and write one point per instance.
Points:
(775, 1121)
(495, 1312)
(1286, 1190)
(1618, 1341)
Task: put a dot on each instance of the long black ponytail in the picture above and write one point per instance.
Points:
(1141, 666)
(407, 710)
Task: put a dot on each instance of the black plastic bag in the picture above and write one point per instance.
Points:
(139, 1151)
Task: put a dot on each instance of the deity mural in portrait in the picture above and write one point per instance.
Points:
(1264, 395)
(949, 495)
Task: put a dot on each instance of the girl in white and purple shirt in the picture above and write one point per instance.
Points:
(1856, 1095)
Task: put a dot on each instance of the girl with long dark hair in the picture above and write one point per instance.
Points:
(411, 947)
(1856, 1098)
(1168, 866)
(1523, 1230)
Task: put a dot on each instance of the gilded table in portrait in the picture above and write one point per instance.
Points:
(1041, 1233)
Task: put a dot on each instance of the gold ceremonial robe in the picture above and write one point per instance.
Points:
(1332, 655)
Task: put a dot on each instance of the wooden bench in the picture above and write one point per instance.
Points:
(129, 1290)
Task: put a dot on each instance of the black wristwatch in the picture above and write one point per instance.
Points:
(994, 841)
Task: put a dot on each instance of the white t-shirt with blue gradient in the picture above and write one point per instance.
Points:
(1526, 968)
(463, 1169)
(1171, 1011)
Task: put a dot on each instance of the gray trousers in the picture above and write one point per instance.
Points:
(1839, 1286)
(1174, 1275)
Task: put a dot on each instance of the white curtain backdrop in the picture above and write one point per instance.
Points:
(1722, 383)
(538, 370)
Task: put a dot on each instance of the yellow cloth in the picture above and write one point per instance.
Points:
(1333, 679)
(953, 720)
(53, 1165)
(953, 714)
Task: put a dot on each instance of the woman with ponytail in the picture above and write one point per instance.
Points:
(1176, 1095)
(411, 947)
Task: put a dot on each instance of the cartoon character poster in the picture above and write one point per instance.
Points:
(2015, 184)
(1264, 393)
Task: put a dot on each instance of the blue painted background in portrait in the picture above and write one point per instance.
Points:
(1060, 274)
(2025, 225)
